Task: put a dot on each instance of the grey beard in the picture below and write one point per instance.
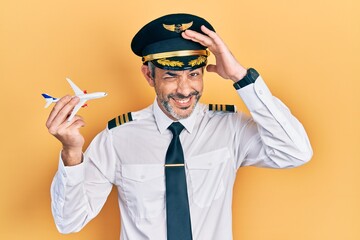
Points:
(171, 111)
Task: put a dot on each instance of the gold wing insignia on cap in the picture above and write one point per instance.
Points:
(178, 27)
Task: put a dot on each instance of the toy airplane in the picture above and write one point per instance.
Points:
(83, 95)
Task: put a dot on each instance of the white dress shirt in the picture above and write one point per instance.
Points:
(131, 157)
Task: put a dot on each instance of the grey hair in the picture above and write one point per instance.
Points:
(151, 69)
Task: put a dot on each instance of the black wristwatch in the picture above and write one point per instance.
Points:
(250, 77)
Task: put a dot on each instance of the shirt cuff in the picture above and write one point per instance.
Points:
(255, 94)
(73, 174)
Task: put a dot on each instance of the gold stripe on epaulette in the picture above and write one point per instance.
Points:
(126, 118)
(120, 120)
(117, 121)
(222, 108)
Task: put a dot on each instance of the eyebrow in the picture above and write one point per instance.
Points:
(174, 74)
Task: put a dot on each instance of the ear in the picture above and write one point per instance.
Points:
(147, 74)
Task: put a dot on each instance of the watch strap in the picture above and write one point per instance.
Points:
(250, 77)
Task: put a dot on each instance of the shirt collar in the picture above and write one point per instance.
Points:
(163, 121)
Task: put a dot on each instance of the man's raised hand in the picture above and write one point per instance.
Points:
(226, 64)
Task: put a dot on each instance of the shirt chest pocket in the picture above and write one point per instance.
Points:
(207, 176)
(144, 189)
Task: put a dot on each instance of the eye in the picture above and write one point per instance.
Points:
(194, 74)
(168, 77)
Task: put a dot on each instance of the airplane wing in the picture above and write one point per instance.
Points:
(76, 109)
(76, 89)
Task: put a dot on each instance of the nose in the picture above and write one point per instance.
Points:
(184, 86)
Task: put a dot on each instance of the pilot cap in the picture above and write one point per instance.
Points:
(160, 42)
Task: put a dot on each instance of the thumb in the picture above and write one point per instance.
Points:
(211, 68)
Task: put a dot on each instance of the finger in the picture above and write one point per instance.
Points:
(197, 37)
(77, 122)
(66, 110)
(57, 107)
(211, 68)
(213, 35)
(63, 113)
(69, 128)
(216, 39)
(208, 32)
(186, 34)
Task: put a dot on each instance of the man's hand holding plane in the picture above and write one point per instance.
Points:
(64, 124)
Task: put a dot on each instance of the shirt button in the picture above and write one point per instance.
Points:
(142, 177)
(260, 92)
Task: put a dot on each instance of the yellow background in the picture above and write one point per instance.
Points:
(307, 51)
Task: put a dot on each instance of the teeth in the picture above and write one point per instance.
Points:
(182, 101)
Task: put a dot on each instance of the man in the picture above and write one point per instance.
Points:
(174, 163)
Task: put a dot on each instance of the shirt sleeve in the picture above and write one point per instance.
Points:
(272, 137)
(79, 192)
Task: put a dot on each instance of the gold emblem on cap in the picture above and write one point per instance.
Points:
(167, 62)
(179, 27)
(198, 61)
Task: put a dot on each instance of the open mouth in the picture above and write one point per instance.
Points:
(182, 103)
(183, 100)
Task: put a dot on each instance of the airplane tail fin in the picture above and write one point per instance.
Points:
(49, 99)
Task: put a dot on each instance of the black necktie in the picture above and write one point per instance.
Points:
(177, 203)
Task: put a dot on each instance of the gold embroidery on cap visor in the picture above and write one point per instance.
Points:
(198, 61)
(167, 62)
(179, 27)
(182, 53)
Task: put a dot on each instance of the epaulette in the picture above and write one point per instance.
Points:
(222, 107)
(119, 120)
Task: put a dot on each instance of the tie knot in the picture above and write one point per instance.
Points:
(176, 128)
